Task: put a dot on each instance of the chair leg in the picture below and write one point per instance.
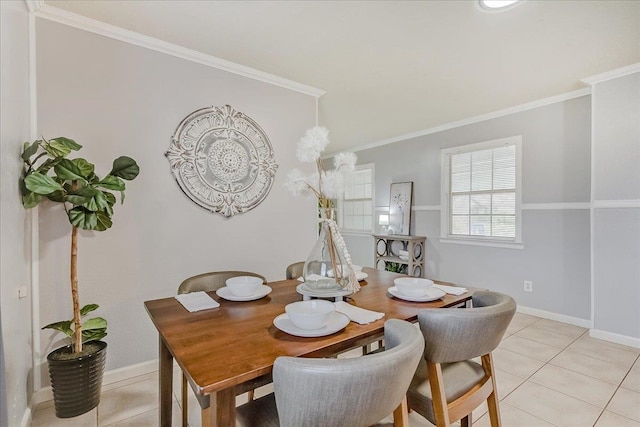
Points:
(185, 402)
(251, 394)
(492, 399)
(401, 414)
(439, 401)
(466, 421)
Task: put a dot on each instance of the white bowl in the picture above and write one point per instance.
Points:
(413, 286)
(243, 286)
(309, 315)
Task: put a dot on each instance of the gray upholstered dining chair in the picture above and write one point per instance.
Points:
(295, 270)
(354, 392)
(448, 385)
(207, 282)
(212, 281)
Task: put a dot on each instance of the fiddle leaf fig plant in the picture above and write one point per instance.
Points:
(88, 201)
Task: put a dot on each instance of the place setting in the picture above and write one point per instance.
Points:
(243, 288)
(318, 317)
(415, 289)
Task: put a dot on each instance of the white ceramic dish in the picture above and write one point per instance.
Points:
(361, 276)
(310, 314)
(413, 286)
(432, 295)
(261, 292)
(336, 322)
(243, 286)
(307, 291)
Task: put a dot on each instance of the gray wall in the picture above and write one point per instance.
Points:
(556, 169)
(15, 248)
(119, 99)
(616, 255)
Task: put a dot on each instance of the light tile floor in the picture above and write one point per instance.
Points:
(549, 374)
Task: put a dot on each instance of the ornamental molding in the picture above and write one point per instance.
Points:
(222, 160)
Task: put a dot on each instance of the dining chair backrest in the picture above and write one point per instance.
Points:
(212, 281)
(449, 383)
(452, 335)
(352, 391)
(295, 270)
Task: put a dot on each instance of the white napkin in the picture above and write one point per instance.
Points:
(453, 290)
(357, 314)
(196, 301)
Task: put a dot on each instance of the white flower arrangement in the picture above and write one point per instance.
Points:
(323, 184)
(326, 185)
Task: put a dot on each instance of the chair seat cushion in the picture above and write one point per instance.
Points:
(458, 378)
(260, 412)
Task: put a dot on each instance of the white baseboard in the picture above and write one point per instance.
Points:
(576, 321)
(616, 338)
(45, 394)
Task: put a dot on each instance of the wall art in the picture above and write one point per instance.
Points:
(400, 208)
(222, 160)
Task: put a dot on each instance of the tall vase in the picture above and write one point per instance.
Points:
(326, 268)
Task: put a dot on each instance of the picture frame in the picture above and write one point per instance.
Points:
(400, 203)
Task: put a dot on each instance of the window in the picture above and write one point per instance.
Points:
(481, 193)
(356, 207)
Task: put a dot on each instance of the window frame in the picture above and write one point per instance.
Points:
(445, 195)
(343, 230)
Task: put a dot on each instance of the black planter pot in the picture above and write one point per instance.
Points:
(76, 380)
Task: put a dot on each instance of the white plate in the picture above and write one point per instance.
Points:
(261, 292)
(432, 295)
(302, 289)
(361, 276)
(337, 321)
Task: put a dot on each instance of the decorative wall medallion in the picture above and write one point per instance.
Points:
(222, 160)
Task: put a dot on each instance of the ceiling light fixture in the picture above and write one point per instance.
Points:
(497, 5)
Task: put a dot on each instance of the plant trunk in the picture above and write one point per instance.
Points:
(77, 345)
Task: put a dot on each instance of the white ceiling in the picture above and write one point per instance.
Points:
(395, 67)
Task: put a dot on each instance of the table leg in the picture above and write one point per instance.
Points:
(165, 384)
(220, 410)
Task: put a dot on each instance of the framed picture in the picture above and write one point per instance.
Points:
(400, 208)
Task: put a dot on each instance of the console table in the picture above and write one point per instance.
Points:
(387, 246)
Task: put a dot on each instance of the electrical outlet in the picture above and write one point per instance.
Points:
(528, 286)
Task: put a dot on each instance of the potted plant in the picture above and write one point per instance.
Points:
(76, 370)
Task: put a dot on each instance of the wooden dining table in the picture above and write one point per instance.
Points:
(231, 349)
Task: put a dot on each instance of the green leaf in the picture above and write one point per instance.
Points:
(41, 184)
(111, 182)
(29, 150)
(60, 147)
(80, 196)
(82, 218)
(31, 200)
(103, 221)
(94, 323)
(125, 168)
(88, 309)
(85, 167)
(111, 199)
(93, 335)
(69, 171)
(64, 327)
(56, 196)
(47, 165)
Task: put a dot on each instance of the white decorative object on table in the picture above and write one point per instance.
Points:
(321, 270)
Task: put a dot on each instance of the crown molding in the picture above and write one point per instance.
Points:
(613, 74)
(476, 119)
(60, 16)
(34, 5)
